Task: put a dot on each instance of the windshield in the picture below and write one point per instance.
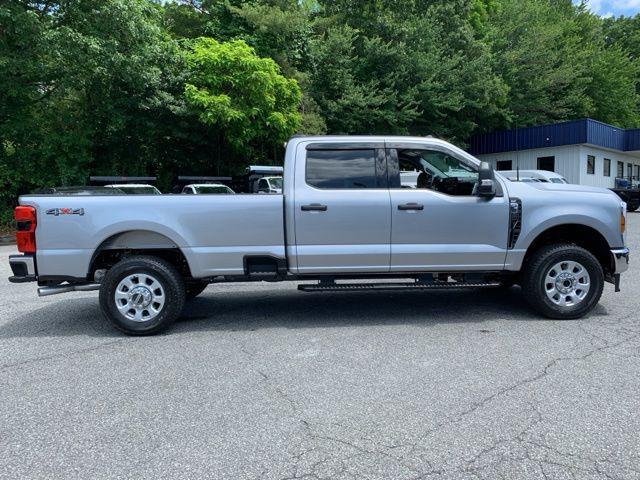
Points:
(558, 180)
(214, 189)
(276, 182)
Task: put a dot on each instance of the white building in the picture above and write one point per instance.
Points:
(585, 152)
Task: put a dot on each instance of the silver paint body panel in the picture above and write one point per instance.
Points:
(214, 232)
(453, 233)
(362, 231)
(351, 236)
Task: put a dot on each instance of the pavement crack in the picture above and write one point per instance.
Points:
(526, 381)
(68, 354)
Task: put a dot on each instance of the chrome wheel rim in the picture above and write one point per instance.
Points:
(567, 283)
(139, 297)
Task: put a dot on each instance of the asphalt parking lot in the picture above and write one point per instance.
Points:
(265, 382)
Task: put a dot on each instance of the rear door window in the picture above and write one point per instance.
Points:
(342, 169)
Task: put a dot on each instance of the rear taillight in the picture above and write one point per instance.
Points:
(25, 218)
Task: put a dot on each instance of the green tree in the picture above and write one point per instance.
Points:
(242, 95)
(624, 33)
(540, 55)
(86, 88)
(408, 66)
(553, 57)
(613, 88)
(184, 20)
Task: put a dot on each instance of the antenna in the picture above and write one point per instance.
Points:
(517, 155)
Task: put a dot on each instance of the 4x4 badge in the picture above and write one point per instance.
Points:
(65, 211)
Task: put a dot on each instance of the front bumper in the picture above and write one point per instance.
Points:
(23, 268)
(620, 260)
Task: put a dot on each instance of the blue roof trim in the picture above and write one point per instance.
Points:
(566, 133)
(632, 142)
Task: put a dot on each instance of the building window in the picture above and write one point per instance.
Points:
(637, 175)
(620, 171)
(606, 168)
(591, 164)
(629, 171)
(503, 165)
(547, 163)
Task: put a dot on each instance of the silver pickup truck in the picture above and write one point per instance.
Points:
(343, 222)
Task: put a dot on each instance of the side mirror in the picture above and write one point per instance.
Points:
(486, 181)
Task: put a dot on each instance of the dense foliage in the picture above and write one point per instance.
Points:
(207, 86)
(242, 96)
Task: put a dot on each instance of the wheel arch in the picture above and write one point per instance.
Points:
(578, 234)
(138, 242)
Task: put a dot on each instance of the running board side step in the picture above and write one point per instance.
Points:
(337, 287)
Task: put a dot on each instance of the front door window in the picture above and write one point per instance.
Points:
(439, 171)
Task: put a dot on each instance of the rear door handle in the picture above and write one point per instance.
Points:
(411, 206)
(314, 207)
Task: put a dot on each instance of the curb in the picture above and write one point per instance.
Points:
(7, 240)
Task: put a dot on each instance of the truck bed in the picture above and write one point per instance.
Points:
(215, 232)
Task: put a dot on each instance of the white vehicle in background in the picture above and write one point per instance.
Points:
(136, 188)
(126, 185)
(207, 189)
(524, 179)
(270, 185)
(543, 176)
(409, 179)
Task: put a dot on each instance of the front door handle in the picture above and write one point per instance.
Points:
(314, 207)
(411, 206)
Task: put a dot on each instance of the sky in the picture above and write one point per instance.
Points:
(608, 8)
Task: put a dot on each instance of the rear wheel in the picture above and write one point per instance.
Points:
(142, 295)
(562, 281)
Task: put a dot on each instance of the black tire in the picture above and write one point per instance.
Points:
(541, 262)
(195, 288)
(171, 290)
(632, 207)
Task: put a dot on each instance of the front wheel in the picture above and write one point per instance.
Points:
(562, 281)
(142, 295)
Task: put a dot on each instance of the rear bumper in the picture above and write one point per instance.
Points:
(620, 260)
(23, 268)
